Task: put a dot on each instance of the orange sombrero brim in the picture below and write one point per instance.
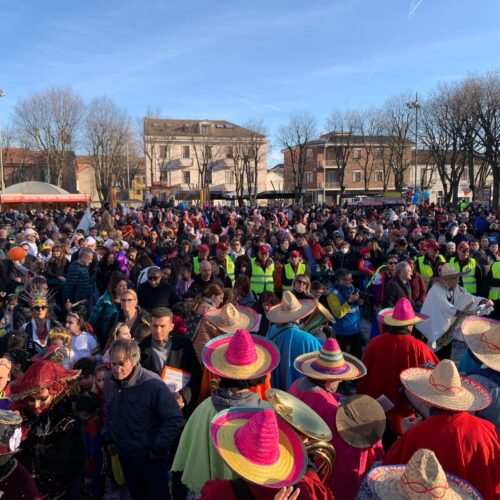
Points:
(288, 469)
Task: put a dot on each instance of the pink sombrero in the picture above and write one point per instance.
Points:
(443, 387)
(422, 478)
(330, 363)
(259, 447)
(401, 315)
(240, 356)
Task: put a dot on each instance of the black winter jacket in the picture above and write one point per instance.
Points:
(141, 415)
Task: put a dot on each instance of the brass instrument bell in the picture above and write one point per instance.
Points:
(319, 318)
(314, 430)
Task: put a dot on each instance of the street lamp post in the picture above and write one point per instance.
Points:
(1, 153)
(416, 106)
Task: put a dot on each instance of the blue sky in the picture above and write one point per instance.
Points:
(243, 59)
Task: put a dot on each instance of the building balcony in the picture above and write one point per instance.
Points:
(330, 185)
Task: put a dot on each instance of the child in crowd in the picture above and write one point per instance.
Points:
(87, 409)
(119, 331)
(83, 343)
(86, 378)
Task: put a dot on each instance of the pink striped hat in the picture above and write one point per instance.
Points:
(330, 363)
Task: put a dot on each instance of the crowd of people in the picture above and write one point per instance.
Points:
(140, 349)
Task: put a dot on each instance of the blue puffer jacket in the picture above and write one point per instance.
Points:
(103, 317)
(141, 415)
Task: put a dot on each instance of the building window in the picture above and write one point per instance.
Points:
(229, 152)
(163, 151)
(378, 176)
(309, 154)
(208, 152)
(332, 177)
(379, 154)
(251, 177)
(357, 154)
(205, 129)
(230, 177)
(356, 176)
(308, 178)
(186, 177)
(185, 152)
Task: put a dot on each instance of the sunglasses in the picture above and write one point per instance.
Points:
(392, 263)
(39, 308)
(301, 282)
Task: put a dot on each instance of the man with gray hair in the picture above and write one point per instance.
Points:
(142, 420)
(398, 287)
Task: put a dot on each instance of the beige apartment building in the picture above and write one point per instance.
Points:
(179, 151)
(364, 161)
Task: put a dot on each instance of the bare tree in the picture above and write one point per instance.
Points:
(107, 130)
(370, 137)
(155, 138)
(256, 153)
(343, 127)
(443, 118)
(398, 120)
(241, 161)
(293, 138)
(48, 121)
(486, 104)
(208, 154)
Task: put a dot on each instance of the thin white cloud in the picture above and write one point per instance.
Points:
(415, 4)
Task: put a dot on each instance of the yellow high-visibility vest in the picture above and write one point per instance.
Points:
(290, 274)
(494, 293)
(262, 280)
(469, 279)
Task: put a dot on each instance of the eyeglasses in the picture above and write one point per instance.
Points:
(302, 282)
(39, 308)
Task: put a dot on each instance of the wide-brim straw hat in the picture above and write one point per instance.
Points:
(483, 339)
(290, 309)
(230, 318)
(330, 363)
(259, 447)
(360, 421)
(443, 387)
(240, 356)
(448, 271)
(422, 478)
(401, 315)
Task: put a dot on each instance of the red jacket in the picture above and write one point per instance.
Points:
(385, 357)
(465, 445)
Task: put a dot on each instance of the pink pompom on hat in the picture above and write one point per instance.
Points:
(240, 356)
(259, 447)
(330, 363)
(401, 315)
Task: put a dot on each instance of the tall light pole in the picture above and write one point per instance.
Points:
(416, 106)
(1, 153)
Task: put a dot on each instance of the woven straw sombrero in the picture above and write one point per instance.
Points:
(230, 318)
(259, 447)
(401, 315)
(448, 271)
(443, 387)
(330, 363)
(360, 421)
(240, 356)
(483, 339)
(290, 309)
(422, 478)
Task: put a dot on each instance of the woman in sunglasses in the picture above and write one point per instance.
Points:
(40, 325)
